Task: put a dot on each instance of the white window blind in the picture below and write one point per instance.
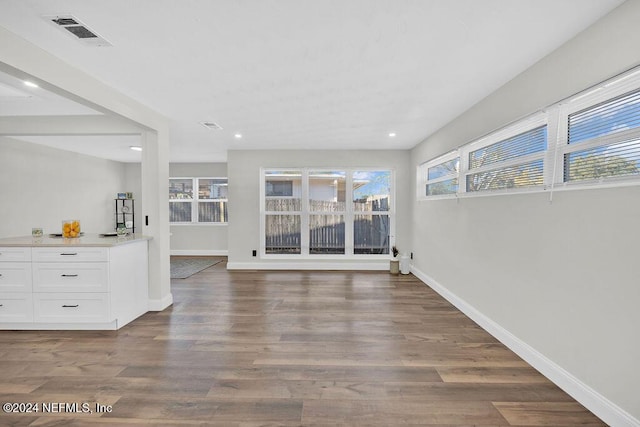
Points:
(591, 138)
(513, 162)
(604, 140)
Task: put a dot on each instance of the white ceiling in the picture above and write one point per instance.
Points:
(302, 74)
(17, 99)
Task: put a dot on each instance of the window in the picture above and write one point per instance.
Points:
(511, 158)
(279, 188)
(208, 205)
(513, 162)
(441, 175)
(596, 140)
(305, 212)
(212, 200)
(180, 199)
(372, 208)
(327, 206)
(603, 140)
(283, 211)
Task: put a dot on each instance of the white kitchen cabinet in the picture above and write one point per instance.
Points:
(84, 283)
(15, 285)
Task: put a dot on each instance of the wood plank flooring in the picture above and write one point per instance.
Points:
(284, 349)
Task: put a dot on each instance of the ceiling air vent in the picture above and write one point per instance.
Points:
(211, 125)
(75, 27)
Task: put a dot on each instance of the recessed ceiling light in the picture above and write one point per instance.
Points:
(135, 147)
(392, 134)
(238, 135)
(30, 84)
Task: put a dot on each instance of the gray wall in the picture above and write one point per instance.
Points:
(41, 186)
(562, 277)
(244, 195)
(210, 239)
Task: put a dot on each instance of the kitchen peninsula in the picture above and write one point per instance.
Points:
(89, 282)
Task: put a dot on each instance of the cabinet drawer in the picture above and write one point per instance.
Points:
(15, 277)
(70, 254)
(8, 254)
(16, 307)
(71, 307)
(70, 277)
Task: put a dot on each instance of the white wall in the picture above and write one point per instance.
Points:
(244, 197)
(561, 279)
(42, 186)
(133, 184)
(200, 239)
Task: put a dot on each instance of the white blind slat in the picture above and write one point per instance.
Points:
(615, 115)
(524, 175)
(532, 141)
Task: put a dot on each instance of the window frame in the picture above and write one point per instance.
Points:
(305, 213)
(522, 126)
(195, 201)
(264, 213)
(583, 101)
(556, 118)
(527, 124)
(424, 181)
(347, 232)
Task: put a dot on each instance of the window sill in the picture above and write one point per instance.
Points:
(199, 224)
(566, 186)
(319, 257)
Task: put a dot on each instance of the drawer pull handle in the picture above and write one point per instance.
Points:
(69, 254)
(70, 306)
(68, 275)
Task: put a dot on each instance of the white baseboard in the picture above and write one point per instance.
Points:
(311, 265)
(591, 399)
(199, 252)
(161, 304)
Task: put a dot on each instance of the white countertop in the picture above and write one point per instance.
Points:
(84, 240)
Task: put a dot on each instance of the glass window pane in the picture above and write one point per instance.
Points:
(327, 191)
(283, 190)
(212, 211)
(282, 234)
(179, 211)
(449, 186)
(326, 234)
(615, 115)
(525, 175)
(601, 162)
(180, 188)
(212, 189)
(371, 234)
(371, 191)
(533, 141)
(446, 168)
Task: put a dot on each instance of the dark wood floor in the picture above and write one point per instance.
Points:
(286, 349)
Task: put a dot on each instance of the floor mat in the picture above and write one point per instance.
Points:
(183, 267)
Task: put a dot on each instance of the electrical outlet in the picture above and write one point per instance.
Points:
(254, 253)
(411, 255)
